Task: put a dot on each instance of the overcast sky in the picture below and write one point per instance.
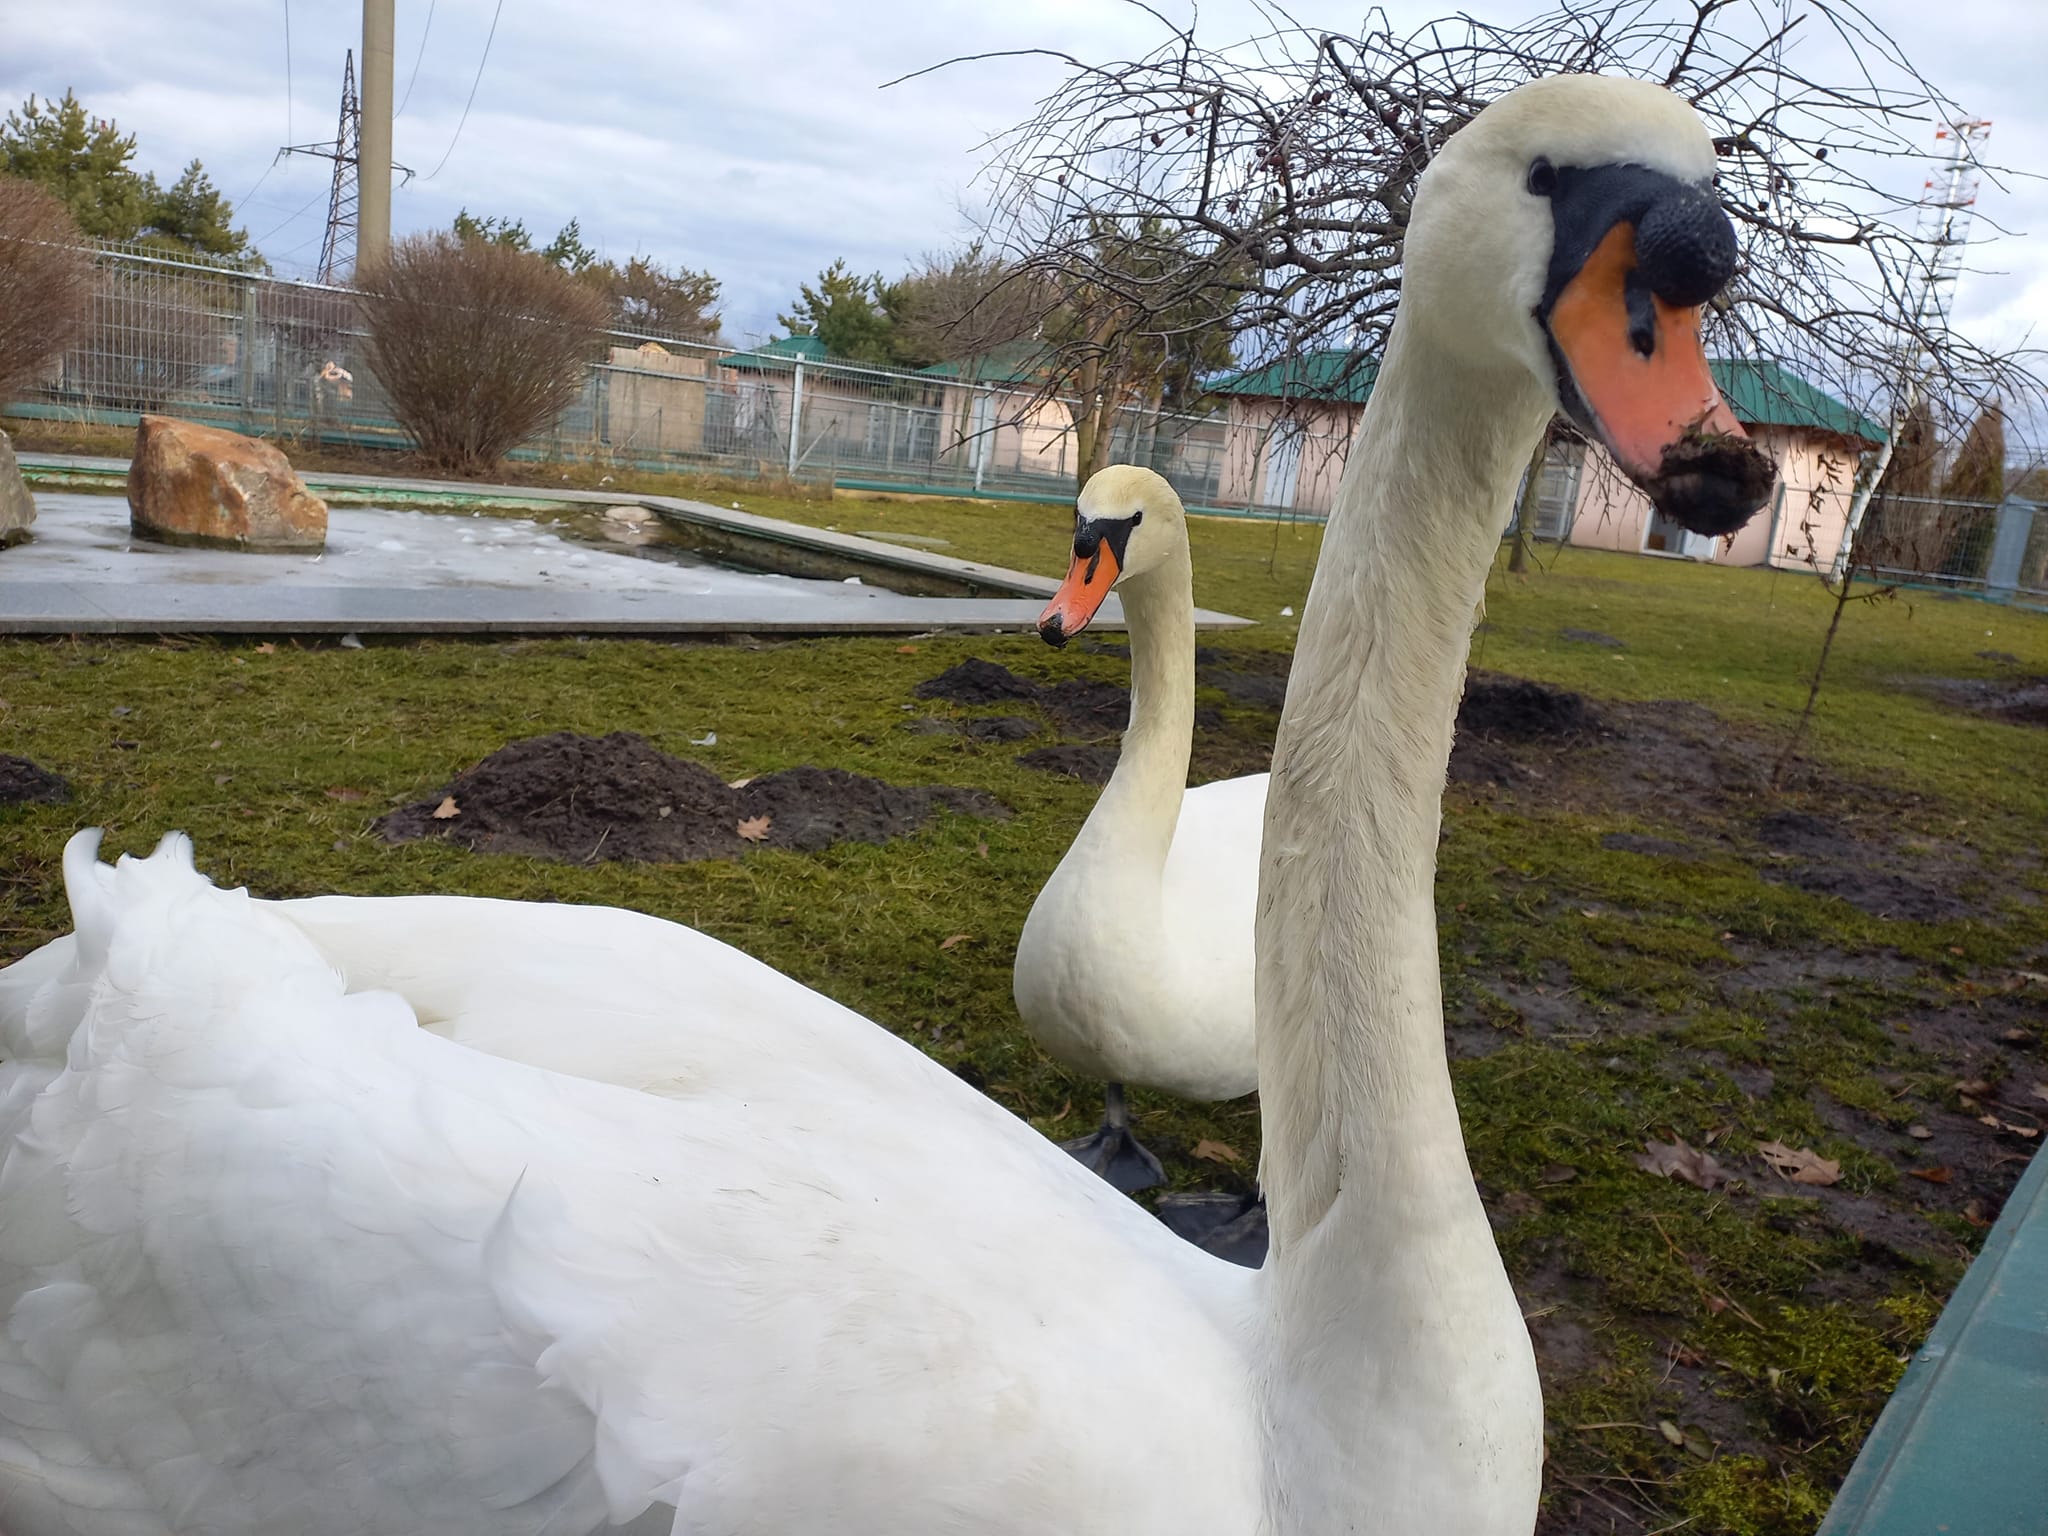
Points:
(750, 138)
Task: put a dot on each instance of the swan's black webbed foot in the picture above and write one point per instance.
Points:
(1114, 1152)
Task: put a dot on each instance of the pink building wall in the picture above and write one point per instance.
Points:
(1257, 436)
(1803, 522)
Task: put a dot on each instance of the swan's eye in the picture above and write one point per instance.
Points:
(1137, 517)
(1542, 177)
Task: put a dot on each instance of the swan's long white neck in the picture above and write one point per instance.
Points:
(1132, 825)
(1403, 1392)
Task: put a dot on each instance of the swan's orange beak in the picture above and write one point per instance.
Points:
(1087, 586)
(1638, 365)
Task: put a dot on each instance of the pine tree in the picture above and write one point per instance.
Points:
(846, 312)
(87, 164)
(1978, 473)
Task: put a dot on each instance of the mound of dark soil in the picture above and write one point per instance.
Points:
(1591, 637)
(25, 783)
(975, 681)
(1514, 709)
(2018, 700)
(585, 798)
(1079, 704)
(1259, 690)
(1090, 762)
(998, 728)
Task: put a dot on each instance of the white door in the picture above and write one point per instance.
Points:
(1283, 464)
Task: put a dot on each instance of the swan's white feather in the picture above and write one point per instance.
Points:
(272, 1257)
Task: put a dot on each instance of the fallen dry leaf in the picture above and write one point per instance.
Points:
(347, 796)
(1991, 1120)
(1217, 1152)
(1973, 1088)
(447, 810)
(981, 850)
(2017, 1037)
(266, 649)
(1919, 1133)
(223, 778)
(906, 650)
(1065, 1110)
(1973, 1213)
(741, 783)
(1557, 1173)
(1799, 1164)
(954, 938)
(1933, 1175)
(1675, 1160)
(2041, 1092)
(1671, 1432)
(755, 828)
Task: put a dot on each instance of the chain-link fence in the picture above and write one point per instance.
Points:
(263, 354)
(1994, 549)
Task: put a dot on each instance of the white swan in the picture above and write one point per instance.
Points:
(274, 1259)
(1135, 965)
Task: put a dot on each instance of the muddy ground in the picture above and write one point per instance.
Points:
(587, 798)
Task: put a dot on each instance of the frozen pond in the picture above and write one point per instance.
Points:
(85, 539)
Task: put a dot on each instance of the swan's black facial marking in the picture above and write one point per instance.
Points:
(1093, 534)
(1685, 246)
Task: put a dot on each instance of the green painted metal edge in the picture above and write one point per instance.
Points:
(1962, 1447)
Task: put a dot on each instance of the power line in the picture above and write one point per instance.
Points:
(302, 208)
(480, 63)
(425, 32)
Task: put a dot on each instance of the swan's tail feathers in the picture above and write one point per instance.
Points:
(43, 996)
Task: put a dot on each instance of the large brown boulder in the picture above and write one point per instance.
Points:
(189, 484)
(17, 508)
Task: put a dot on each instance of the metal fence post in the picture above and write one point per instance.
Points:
(2009, 547)
(796, 413)
(984, 429)
(246, 355)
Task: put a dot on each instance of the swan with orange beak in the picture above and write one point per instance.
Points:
(1135, 964)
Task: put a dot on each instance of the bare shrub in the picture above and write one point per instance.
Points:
(478, 346)
(45, 284)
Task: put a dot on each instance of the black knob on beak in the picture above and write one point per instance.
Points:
(1685, 246)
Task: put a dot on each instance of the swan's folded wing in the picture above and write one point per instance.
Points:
(610, 995)
(273, 1258)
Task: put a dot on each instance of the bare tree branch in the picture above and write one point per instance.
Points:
(1271, 181)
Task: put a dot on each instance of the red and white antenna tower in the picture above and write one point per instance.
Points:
(1948, 200)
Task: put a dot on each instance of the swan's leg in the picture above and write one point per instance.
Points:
(1114, 1152)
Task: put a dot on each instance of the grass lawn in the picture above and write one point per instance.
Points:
(1641, 941)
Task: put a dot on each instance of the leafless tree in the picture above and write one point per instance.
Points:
(962, 305)
(1283, 168)
(478, 346)
(45, 284)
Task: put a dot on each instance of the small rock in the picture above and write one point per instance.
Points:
(17, 507)
(189, 484)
